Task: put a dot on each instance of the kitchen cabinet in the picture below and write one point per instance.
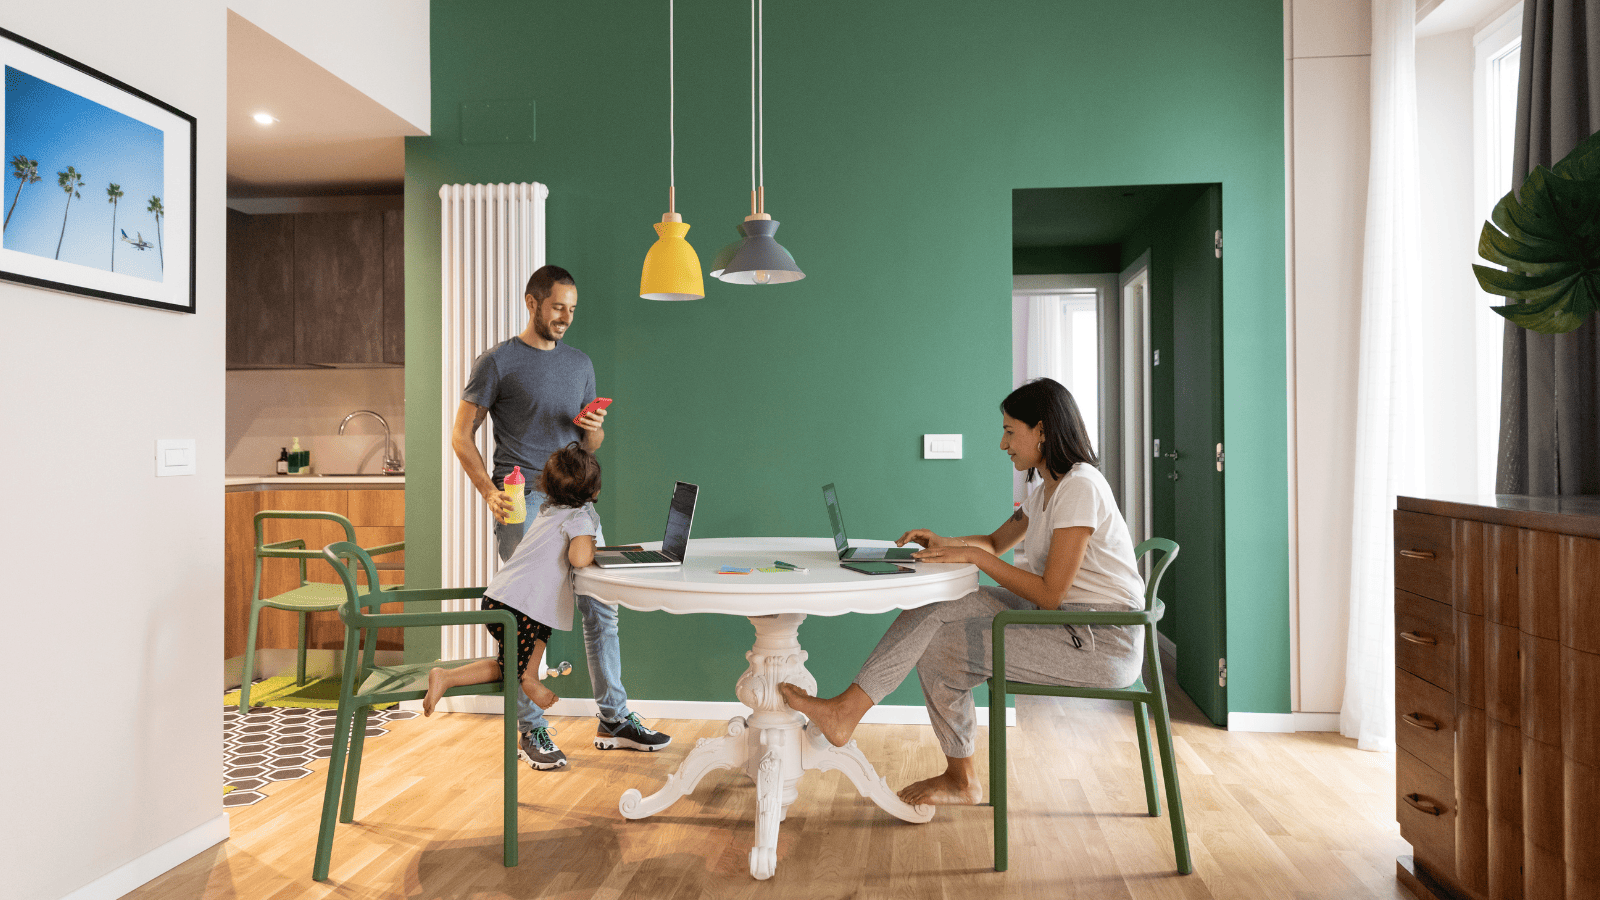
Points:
(313, 290)
(378, 516)
(1497, 697)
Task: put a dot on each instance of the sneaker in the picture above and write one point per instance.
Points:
(537, 750)
(629, 734)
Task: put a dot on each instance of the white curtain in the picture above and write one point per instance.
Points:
(1047, 336)
(1388, 450)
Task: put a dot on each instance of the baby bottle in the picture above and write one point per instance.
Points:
(516, 486)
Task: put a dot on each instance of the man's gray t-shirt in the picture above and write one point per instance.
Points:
(532, 396)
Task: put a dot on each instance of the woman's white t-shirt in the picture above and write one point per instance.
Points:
(1109, 573)
(537, 580)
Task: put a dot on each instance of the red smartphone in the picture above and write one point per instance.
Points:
(596, 403)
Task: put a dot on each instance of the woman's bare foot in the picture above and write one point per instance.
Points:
(436, 688)
(946, 789)
(836, 717)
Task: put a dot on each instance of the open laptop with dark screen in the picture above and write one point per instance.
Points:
(841, 543)
(674, 544)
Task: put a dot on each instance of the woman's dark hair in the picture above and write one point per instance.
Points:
(572, 476)
(1066, 440)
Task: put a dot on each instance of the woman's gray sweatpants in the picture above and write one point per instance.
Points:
(950, 644)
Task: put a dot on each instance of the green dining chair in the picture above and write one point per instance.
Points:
(309, 597)
(363, 685)
(1146, 692)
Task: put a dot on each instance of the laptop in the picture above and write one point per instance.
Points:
(841, 543)
(674, 544)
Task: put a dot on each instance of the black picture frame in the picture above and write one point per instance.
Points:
(57, 114)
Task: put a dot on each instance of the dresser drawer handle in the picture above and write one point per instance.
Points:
(1416, 802)
(1427, 723)
(1418, 554)
(1417, 637)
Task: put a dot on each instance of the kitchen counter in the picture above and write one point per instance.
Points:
(232, 483)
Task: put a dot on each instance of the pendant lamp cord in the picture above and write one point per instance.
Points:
(752, 106)
(672, 109)
(761, 107)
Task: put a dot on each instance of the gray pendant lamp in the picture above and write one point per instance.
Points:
(724, 256)
(758, 259)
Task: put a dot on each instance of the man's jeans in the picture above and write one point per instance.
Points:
(599, 639)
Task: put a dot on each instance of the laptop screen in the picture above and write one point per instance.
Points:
(680, 516)
(835, 518)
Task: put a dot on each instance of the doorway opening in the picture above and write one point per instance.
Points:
(1140, 265)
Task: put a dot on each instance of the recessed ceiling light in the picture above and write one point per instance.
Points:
(264, 118)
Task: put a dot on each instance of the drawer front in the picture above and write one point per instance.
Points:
(1424, 642)
(1423, 557)
(1425, 721)
(1425, 806)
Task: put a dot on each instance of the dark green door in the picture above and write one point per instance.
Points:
(1193, 589)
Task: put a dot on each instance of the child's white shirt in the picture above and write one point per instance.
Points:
(537, 580)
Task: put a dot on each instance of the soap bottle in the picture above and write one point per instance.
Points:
(516, 486)
(297, 459)
(283, 461)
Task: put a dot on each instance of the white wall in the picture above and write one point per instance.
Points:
(378, 47)
(1328, 61)
(112, 757)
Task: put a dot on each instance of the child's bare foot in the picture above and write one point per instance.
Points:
(829, 716)
(542, 696)
(436, 688)
(946, 789)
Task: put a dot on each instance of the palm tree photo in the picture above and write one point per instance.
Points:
(113, 194)
(156, 209)
(26, 171)
(69, 181)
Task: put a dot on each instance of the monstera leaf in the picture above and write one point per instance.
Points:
(1548, 238)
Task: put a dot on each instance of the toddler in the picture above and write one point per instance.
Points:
(535, 584)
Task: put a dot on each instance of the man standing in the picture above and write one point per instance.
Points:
(533, 385)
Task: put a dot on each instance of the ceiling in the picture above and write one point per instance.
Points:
(329, 138)
(1083, 216)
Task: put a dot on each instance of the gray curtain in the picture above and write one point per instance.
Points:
(1550, 384)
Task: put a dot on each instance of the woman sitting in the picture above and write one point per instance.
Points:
(1078, 555)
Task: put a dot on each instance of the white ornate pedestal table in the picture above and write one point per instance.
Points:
(774, 745)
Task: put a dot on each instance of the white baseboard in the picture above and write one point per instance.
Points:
(130, 876)
(687, 709)
(1310, 721)
(1274, 723)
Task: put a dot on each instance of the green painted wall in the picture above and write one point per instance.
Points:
(1096, 260)
(896, 133)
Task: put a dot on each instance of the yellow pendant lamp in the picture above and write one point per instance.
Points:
(671, 268)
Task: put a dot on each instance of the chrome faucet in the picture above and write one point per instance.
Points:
(391, 465)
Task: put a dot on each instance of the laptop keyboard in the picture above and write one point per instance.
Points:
(642, 556)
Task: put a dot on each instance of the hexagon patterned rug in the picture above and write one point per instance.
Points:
(277, 743)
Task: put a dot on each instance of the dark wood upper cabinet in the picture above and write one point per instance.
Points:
(309, 290)
(261, 310)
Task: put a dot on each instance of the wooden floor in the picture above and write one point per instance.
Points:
(1295, 816)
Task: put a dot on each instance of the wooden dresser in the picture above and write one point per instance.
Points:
(1497, 696)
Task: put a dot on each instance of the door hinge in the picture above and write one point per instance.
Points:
(1155, 357)
(1219, 244)
(1156, 443)
(1219, 457)
(1222, 672)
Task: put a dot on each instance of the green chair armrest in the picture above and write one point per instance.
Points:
(385, 548)
(499, 617)
(281, 545)
(419, 595)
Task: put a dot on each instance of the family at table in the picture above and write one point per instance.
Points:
(1078, 553)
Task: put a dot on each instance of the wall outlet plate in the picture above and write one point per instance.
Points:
(174, 456)
(941, 446)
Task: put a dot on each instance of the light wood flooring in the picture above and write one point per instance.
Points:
(1296, 816)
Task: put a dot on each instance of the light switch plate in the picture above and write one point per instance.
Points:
(174, 456)
(941, 446)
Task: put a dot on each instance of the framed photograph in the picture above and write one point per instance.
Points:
(99, 183)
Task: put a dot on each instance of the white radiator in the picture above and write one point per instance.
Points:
(491, 241)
